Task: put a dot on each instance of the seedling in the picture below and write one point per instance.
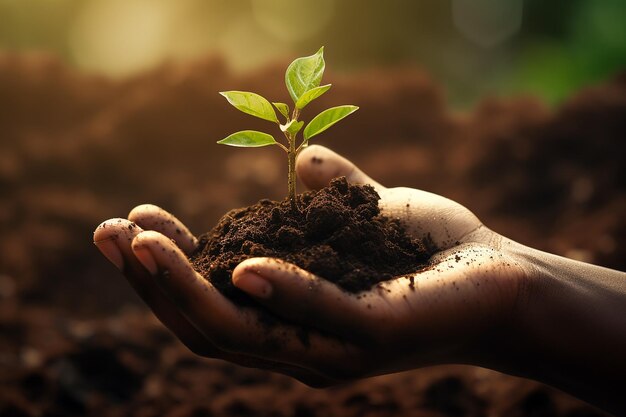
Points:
(303, 78)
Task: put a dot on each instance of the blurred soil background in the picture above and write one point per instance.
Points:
(81, 142)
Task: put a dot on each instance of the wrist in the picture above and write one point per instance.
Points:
(569, 325)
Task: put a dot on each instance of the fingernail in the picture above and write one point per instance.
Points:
(112, 252)
(253, 284)
(147, 260)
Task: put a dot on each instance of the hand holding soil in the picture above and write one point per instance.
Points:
(483, 300)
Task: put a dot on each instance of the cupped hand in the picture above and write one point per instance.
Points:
(446, 313)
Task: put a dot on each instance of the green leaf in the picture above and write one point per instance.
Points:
(293, 127)
(283, 109)
(326, 119)
(311, 95)
(251, 103)
(304, 74)
(248, 139)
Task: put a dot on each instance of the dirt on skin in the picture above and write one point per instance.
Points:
(338, 233)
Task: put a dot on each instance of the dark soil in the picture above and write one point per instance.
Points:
(337, 233)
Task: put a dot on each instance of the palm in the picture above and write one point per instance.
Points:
(469, 281)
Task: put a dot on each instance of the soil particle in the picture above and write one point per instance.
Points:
(339, 234)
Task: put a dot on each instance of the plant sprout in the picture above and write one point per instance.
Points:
(303, 78)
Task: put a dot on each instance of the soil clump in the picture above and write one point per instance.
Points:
(338, 234)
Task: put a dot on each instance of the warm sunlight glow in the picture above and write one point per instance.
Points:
(293, 20)
(121, 36)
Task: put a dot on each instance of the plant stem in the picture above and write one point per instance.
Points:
(291, 176)
(292, 153)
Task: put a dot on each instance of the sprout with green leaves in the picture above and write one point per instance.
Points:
(303, 79)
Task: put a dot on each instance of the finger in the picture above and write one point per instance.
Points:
(302, 297)
(117, 240)
(238, 330)
(114, 238)
(151, 217)
(317, 165)
(442, 222)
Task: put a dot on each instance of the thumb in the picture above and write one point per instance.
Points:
(317, 165)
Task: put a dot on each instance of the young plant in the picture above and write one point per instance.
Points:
(303, 78)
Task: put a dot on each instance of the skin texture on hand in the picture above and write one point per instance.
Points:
(400, 324)
(470, 306)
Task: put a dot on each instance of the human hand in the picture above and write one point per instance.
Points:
(151, 249)
(486, 300)
(442, 314)
(454, 311)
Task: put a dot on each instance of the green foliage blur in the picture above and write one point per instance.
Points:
(474, 47)
(569, 44)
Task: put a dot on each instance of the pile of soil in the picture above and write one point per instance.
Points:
(336, 233)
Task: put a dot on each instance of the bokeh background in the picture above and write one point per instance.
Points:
(516, 109)
(473, 47)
